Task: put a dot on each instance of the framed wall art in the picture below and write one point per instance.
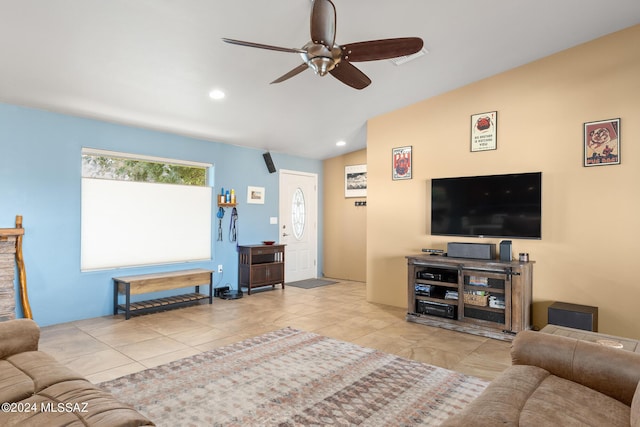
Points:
(355, 181)
(401, 163)
(484, 131)
(255, 195)
(602, 143)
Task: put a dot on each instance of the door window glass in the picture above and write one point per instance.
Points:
(298, 214)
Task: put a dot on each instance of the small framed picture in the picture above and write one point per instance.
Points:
(484, 131)
(255, 195)
(401, 163)
(602, 143)
(355, 181)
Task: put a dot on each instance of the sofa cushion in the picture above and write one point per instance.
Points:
(530, 396)
(96, 407)
(17, 336)
(560, 402)
(56, 395)
(43, 369)
(502, 400)
(15, 385)
(74, 403)
(608, 370)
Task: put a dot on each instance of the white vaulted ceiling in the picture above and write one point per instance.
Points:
(152, 63)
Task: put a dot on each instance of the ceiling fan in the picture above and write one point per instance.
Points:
(323, 55)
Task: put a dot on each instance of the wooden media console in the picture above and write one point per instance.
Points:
(489, 298)
(155, 282)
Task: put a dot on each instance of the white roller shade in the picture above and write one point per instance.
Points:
(127, 223)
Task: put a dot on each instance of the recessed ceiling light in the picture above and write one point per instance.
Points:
(341, 143)
(216, 94)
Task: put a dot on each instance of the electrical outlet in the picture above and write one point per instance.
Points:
(219, 268)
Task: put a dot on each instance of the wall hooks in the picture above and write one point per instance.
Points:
(361, 203)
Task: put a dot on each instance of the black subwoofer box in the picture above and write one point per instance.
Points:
(573, 316)
(471, 250)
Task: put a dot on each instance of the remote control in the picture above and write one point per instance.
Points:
(433, 251)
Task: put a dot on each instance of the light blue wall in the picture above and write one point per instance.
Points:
(40, 163)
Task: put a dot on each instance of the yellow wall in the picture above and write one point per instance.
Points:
(590, 220)
(345, 224)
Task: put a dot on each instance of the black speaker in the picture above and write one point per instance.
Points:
(471, 250)
(505, 250)
(573, 316)
(269, 162)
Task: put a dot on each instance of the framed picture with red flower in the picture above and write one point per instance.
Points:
(484, 131)
(602, 143)
(401, 163)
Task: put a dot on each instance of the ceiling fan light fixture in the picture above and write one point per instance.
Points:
(321, 65)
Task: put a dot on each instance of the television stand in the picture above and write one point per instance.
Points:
(482, 297)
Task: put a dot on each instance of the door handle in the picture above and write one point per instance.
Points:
(284, 234)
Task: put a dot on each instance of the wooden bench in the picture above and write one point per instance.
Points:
(155, 282)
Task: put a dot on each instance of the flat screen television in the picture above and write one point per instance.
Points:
(487, 206)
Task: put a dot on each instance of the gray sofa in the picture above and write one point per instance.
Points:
(36, 390)
(559, 381)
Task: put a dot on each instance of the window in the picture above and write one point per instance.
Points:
(139, 210)
(298, 214)
(119, 167)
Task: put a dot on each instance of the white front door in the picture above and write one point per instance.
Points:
(298, 223)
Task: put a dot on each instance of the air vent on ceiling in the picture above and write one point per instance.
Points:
(406, 58)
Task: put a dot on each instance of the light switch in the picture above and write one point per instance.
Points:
(273, 220)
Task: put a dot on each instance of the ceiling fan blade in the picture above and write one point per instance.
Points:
(300, 68)
(381, 49)
(350, 75)
(263, 46)
(323, 22)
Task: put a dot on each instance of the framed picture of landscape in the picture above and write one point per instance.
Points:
(355, 181)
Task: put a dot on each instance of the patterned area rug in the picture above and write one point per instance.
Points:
(296, 378)
(311, 283)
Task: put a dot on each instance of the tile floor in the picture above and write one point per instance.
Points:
(108, 347)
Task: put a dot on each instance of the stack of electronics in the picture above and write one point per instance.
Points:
(441, 292)
(496, 301)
